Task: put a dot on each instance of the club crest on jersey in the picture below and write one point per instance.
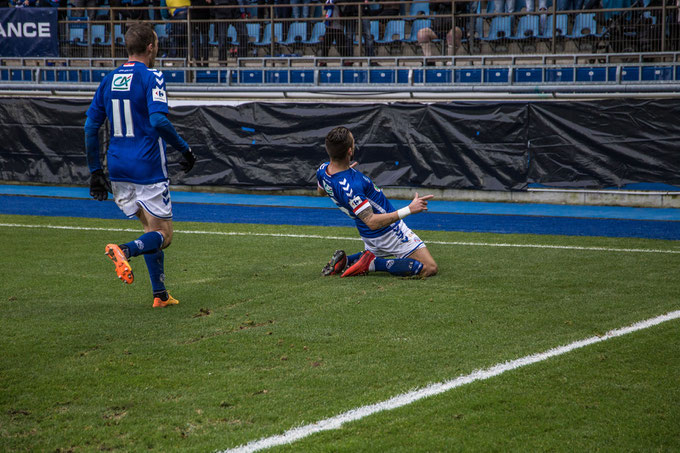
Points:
(328, 189)
(159, 95)
(121, 82)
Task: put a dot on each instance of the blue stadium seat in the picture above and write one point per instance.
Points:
(527, 31)
(394, 32)
(174, 76)
(212, 35)
(267, 35)
(419, 8)
(500, 31)
(584, 32)
(98, 36)
(253, 32)
(318, 30)
(561, 26)
(297, 33)
(119, 36)
(416, 26)
(584, 26)
(77, 36)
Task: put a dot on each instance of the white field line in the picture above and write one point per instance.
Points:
(404, 399)
(315, 236)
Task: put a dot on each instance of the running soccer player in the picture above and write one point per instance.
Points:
(379, 224)
(133, 98)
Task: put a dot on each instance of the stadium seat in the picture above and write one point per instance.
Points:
(527, 31)
(394, 32)
(561, 30)
(318, 30)
(297, 33)
(499, 32)
(253, 32)
(267, 35)
(416, 26)
(584, 31)
(561, 26)
(98, 35)
(418, 8)
(119, 36)
(393, 37)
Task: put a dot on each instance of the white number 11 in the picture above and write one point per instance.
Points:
(117, 127)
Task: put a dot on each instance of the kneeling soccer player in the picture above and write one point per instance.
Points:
(379, 224)
(133, 98)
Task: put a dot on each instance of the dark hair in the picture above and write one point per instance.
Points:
(338, 141)
(138, 37)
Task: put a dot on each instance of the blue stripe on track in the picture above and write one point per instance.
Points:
(458, 207)
(277, 215)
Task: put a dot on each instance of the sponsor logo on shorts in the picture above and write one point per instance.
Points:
(121, 82)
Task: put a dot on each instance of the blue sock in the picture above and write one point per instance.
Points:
(351, 259)
(154, 263)
(146, 243)
(402, 267)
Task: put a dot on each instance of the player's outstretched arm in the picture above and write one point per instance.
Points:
(376, 221)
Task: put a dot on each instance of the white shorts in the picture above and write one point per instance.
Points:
(399, 242)
(153, 198)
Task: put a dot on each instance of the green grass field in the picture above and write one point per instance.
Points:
(262, 343)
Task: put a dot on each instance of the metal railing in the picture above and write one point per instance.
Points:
(219, 35)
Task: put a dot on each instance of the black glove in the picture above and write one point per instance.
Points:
(99, 185)
(189, 161)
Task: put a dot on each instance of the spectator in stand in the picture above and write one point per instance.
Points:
(296, 9)
(178, 10)
(224, 17)
(129, 10)
(335, 31)
(200, 15)
(567, 5)
(442, 27)
(22, 3)
(476, 8)
(351, 25)
(80, 4)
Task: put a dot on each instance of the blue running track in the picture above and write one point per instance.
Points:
(652, 223)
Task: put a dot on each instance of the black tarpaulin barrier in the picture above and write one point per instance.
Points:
(458, 145)
(607, 143)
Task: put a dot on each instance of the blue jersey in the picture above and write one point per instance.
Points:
(353, 192)
(127, 96)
